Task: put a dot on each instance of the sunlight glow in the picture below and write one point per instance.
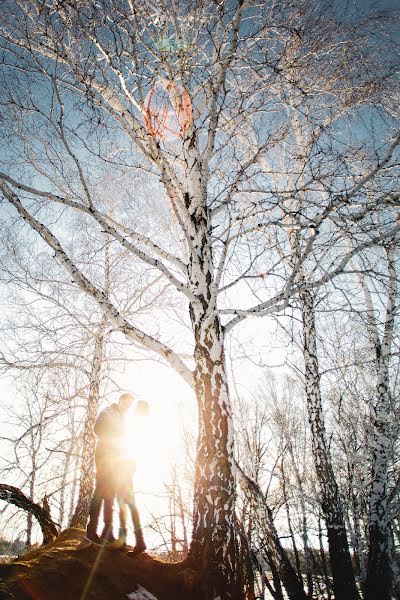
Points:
(152, 441)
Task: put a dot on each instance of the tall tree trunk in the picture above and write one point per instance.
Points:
(277, 556)
(32, 482)
(246, 555)
(29, 524)
(289, 522)
(185, 545)
(65, 471)
(394, 565)
(342, 570)
(355, 529)
(172, 519)
(304, 523)
(86, 484)
(75, 481)
(214, 546)
(323, 563)
(379, 573)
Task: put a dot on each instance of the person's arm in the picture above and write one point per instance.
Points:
(102, 425)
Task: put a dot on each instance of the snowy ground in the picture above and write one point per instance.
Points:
(141, 594)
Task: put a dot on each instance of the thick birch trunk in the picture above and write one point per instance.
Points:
(86, 484)
(213, 549)
(379, 574)
(340, 559)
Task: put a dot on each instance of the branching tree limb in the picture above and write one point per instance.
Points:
(14, 496)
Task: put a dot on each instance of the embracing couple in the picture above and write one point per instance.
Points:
(114, 479)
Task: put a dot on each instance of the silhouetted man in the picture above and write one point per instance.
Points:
(110, 429)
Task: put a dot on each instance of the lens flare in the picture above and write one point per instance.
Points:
(167, 110)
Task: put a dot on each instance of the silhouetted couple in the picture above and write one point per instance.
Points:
(114, 479)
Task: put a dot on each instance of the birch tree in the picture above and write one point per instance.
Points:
(298, 182)
(86, 482)
(350, 433)
(355, 388)
(381, 332)
(261, 446)
(89, 75)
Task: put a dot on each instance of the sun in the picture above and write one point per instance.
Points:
(153, 442)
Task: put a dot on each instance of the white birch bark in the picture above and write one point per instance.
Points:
(214, 541)
(108, 84)
(379, 574)
(339, 553)
(342, 571)
(86, 481)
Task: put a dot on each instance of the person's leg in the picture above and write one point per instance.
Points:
(107, 533)
(94, 513)
(123, 513)
(120, 543)
(96, 502)
(109, 492)
(137, 527)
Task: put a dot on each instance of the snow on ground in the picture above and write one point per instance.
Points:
(141, 594)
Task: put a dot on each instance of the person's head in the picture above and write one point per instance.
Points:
(125, 401)
(142, 408)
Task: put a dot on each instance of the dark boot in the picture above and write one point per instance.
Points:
(140, 544)
(94, 512)
(107, 534)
